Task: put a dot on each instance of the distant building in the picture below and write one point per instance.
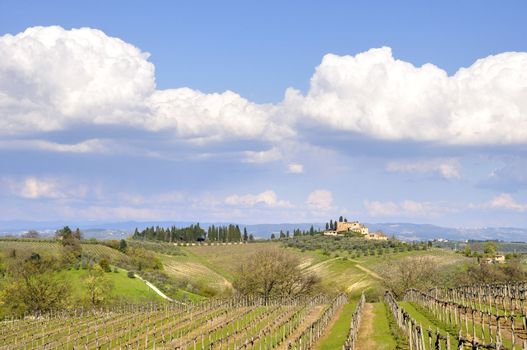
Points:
(353, 226)
(330, 233)
(344, 227)
(496, 259)
(376, 235)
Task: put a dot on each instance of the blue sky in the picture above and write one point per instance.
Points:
(264, 112)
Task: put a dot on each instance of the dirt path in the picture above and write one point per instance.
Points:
(318, 266)
(154, 288)
(369, 272)
(365, 340)
(315, 312)
(359, 285)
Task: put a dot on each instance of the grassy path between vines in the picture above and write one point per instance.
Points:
(338, 331)
(453, 330)
(374, 331)
(422, 320)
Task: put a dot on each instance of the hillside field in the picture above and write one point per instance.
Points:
(202, 271)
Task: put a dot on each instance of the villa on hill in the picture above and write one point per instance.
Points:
(343, 227)
(495, 259)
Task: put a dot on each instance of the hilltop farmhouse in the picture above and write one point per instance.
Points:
(495, 259)
(342, 227)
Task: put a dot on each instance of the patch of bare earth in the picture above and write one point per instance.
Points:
(365, 339)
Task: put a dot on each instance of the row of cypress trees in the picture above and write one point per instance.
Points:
(193, 233)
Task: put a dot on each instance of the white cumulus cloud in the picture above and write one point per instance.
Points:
(52, 78)
(55, 79)
(373, 93)
(88, 146)
(320, 200)
(205, 117)
(405, 208)
(44, 187)
(295, 168)
(266, 198)
(446, 168)
(506, 201)
(266, 156)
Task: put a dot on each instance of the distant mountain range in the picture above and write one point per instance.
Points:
(403, 231)
(409, 231)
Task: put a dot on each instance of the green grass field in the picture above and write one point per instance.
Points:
(190, 269)
(49, 247)
(441, 256)
(216, 266)
(131, 290)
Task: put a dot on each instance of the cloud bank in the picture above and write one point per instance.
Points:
(53, 79)
(320, 200)
(506, 201)
(374, 94)
(267, 198)
(406, 208)
(446, 168)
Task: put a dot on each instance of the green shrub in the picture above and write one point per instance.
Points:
(105, 265)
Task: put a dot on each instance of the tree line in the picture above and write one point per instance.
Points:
(191, 233)
(296, 233)
(230, 233)
(194, 233)
(332, 225)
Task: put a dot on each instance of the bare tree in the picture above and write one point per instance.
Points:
(31, 234)
(274, 272)
(420, 272)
